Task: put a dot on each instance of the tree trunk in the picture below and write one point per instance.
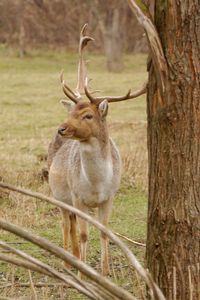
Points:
(173, 239)
(112, 39)
(22, 33)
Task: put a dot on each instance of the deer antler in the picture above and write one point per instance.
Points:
(75, 95)
(129, 95)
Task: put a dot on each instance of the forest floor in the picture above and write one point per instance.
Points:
(30, 114)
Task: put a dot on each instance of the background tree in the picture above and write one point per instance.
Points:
(173, 111)
(57, 23)
(111, 19)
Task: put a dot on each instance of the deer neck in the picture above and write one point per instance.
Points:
(96, 157)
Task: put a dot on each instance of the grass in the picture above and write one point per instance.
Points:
(30, 113)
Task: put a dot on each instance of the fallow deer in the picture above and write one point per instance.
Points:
(84, 162)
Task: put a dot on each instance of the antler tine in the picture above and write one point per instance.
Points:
(75, 95)
(95, 100)
(67, 91)
(82, 70)
(129, 95)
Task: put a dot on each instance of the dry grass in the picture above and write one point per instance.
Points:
(30, 113)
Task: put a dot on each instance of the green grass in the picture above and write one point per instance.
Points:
(30, 113)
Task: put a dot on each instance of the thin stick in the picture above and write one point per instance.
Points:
(17, 243)
(139, 286)
(66, 256)
(37, 284)
(12, 280)
(21, 263)
(34, 293)
(129, 255)
(98, 292)
(113, 269)
(129, 240)
(32, 267)
(50, 270)
(61, 292)
(174, 283)
(7, 279)
(198, 281)
(190, 283)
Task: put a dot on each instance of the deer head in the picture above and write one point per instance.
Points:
(87, 119)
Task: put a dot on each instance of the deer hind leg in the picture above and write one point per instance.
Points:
(73, 234)
(104, 214)
(66, 230)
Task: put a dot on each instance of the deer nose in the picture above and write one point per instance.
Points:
(61, 130)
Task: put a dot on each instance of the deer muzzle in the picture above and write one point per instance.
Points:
(66, 130)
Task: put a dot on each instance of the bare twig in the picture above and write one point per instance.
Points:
(198, 280)
(12, 280)
(21, 263)
(140, 287)
(130, 240)
(113, 269)
(66, 256)
(37, 284)
(190, 283)
(174, 283)
(33, 267)
(157, 54)
(74, 261)
(33, 290)
(45, 269)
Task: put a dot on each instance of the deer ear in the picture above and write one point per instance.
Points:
(67, 104)
(103, 108)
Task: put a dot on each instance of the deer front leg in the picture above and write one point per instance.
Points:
(73, 233)
(83, 228)
(66, 230)
(104, 214)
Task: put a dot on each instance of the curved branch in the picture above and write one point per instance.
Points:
(36, 265)
(69, 258)
(91, 273)
(158, 57)
(24, 264)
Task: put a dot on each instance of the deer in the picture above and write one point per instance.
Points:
(83, 161)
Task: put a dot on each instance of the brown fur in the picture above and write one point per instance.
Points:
(85, 170)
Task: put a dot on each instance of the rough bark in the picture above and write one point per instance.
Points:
(173, 239)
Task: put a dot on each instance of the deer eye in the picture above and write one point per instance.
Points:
(88, 116)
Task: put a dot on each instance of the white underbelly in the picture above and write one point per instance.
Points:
(94, 196)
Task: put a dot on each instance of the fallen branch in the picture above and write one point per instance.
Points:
(65, 256)
(21, 263)
(91, 273)
(33, 290)
(38, 266)
(37, 284)
(129, 240)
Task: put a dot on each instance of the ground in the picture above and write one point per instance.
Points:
(30, 114)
